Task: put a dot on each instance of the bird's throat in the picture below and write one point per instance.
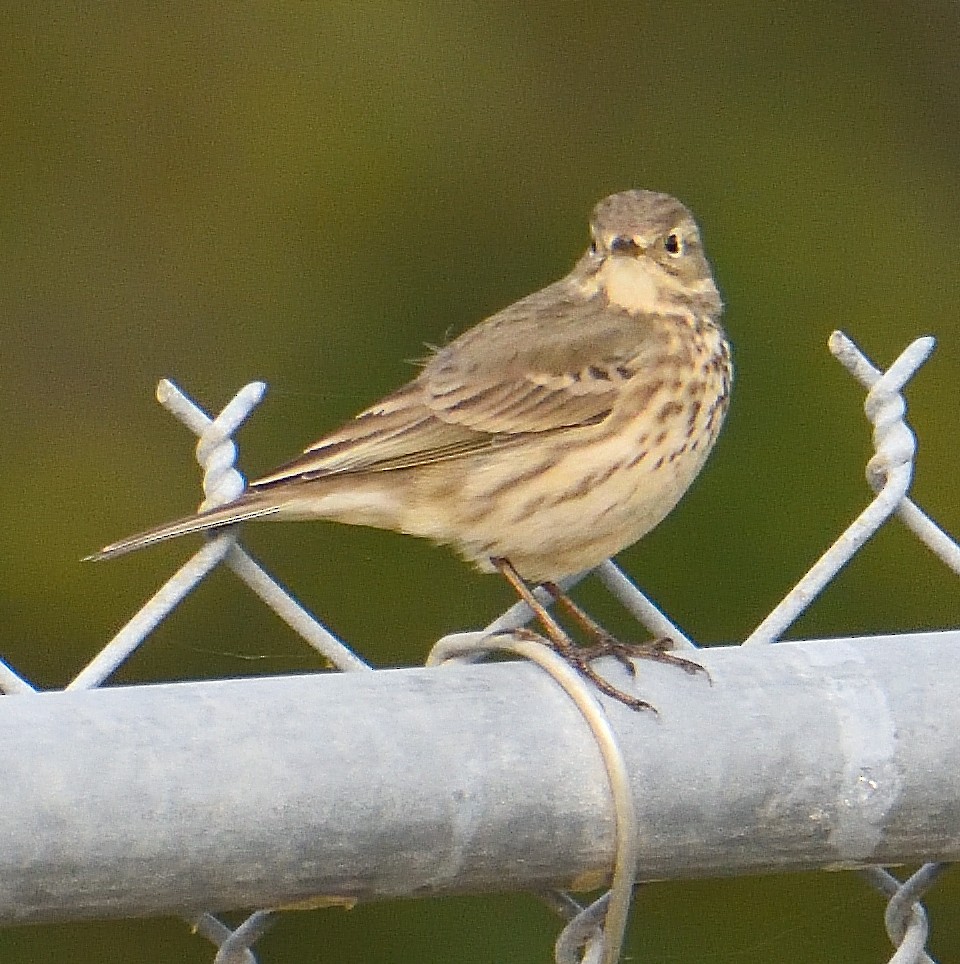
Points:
(629, 283)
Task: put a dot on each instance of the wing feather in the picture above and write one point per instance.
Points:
(541, 365)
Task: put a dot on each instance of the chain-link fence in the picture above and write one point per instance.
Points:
(197, 797)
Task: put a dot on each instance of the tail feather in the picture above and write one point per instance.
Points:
(241, 510)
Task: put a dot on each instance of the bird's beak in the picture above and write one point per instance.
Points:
(631, 248)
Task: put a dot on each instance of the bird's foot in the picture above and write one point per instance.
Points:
(657, 650)
(606, 644)
(579, 657)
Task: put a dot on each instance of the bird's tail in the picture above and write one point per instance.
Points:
(249, 506)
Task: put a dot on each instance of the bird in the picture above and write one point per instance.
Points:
(547, 437)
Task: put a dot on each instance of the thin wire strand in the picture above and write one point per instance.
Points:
(292, 613)
(160, 605)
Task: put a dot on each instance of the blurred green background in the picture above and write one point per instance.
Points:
(307, 192)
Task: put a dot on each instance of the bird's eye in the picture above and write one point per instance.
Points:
(673, 244)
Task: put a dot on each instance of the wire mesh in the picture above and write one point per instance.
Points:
(592, 934)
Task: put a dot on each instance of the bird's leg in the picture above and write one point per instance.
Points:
(606, 644)
(561, 643)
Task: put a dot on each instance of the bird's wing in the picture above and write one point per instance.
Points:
(501, 381)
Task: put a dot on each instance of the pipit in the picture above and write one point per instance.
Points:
(547, 437)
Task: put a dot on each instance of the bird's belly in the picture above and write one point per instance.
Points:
(568, 504)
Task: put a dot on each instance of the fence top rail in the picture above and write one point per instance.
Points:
(363, 786)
